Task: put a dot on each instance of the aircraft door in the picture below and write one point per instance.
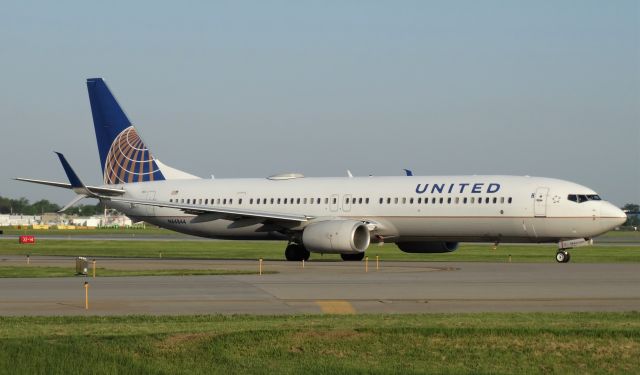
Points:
(333, 204)
(540, 202)
(151, 210)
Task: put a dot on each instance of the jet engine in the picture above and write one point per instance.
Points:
(336, 236)
(427, 247)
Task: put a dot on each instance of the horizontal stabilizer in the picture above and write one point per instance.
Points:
(75, 200)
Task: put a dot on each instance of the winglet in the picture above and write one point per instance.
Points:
(71, 174)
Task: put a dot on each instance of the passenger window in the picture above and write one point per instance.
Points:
(367, 201)
(501, 199)
(464, 200)
(433, 200)
(457, 200)
(449, 200)
(395, 200)
(479, 200)
(239, 200)
(218, 201)
(188, 201)
(359, 200)
(346, 200)
(404, 200)
(441, 200)
(495, 200)
(298, 201)
(510, 199)
(335, 200)
(224, 201)
(419, 200)
(486, 200)
(472, 200)
(251, 201)
(231, 201)
(305, 201)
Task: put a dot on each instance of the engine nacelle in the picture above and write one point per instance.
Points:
(427, 247)
(336, 236)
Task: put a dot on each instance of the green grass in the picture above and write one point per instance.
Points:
(275, 251)
(147, 231)
(33, 271)
(562, 343)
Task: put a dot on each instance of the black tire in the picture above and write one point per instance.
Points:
(561, 257)
(568, 257)
(352, 257)
(296, 253)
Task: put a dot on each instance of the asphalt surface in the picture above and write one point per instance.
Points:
(325, 287)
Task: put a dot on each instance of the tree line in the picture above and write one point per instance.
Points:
(22, 206)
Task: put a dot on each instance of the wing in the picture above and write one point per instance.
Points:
(93, 189)
(208, 213)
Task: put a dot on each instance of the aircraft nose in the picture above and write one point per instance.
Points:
(612, 215)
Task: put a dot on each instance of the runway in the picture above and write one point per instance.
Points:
(327, 287)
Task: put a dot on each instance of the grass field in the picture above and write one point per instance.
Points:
(147, 231)
(567, 343)
(26, 271)
(274, 250)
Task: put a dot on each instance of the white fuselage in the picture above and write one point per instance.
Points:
(411, 208)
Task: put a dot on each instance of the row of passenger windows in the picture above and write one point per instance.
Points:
(348, 200)
(449, 200)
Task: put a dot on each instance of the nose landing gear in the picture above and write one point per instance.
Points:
(563, 256)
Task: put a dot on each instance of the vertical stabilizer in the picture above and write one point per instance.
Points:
(124, 157)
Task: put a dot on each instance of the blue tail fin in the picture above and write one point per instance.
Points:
(123, 156)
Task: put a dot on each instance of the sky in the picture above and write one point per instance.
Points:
(254, 88)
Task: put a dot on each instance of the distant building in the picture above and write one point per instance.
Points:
(54, 218)
(12, 220)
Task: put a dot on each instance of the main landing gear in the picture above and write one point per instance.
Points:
(296, 252)
(563, 256)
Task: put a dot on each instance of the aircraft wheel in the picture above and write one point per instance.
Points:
(563, 256)
(296, 253)
(352, 257)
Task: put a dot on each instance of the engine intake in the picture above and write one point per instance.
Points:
(337, 237)
(427, 247)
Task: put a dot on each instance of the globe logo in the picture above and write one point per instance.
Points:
(129, 160)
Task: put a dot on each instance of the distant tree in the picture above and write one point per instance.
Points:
(43, 206)
(86, 210)
(5, 205)
(632, 219)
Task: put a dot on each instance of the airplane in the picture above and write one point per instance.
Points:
(339, 215)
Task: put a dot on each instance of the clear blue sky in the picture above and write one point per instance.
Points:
(248, 89)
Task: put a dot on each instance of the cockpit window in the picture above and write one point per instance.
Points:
(579, 198)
